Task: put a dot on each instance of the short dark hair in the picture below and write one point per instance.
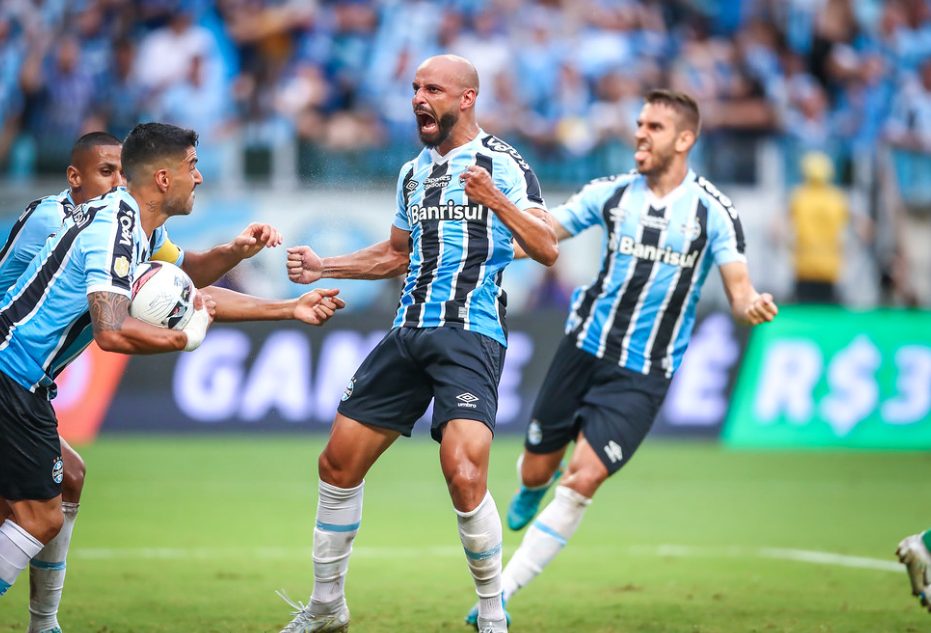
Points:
(683, 104)
(148, 142)
(92, 139)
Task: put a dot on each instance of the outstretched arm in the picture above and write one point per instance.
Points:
(204, 268)
(747, 305)
(531, 228)
(559, 229)
(314, 307)
(378, 261)
(116, 331)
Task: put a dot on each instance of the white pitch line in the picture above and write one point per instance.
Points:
(285, 553)
(829, 558)
(775, 553)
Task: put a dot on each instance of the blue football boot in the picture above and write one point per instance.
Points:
(526, 501)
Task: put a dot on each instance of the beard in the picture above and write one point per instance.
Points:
(179, 206)
(444, 127)
(659, 165)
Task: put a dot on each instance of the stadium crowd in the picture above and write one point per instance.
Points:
(559, 75)
(561, 79)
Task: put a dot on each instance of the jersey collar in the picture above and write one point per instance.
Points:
(440, 159)
(672, 196)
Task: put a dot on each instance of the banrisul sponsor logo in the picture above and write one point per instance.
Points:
(627, 246)
(446, 212)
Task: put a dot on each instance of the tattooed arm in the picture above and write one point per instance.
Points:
(116, 331)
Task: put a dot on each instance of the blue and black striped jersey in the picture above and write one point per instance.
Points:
(44, 317)
(459, 249)
(639, 310)
(41, 219)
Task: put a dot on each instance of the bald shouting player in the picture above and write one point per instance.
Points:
(460, 203)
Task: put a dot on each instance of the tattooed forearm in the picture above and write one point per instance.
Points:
(108, 310)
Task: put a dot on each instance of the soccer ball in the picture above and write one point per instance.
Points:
(163, 295)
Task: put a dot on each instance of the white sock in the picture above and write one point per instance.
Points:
(545, 538)
(339, 514)
(47, 573)
(17, 546)
(480, 532)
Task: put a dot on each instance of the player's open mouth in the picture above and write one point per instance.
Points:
(642, 153)
(426, 122)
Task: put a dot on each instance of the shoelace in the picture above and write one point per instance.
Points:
(300, 609)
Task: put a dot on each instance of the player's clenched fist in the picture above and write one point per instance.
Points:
(304, 265)
(762, 309)
(479, 186)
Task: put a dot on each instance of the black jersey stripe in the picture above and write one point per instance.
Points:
(584, 311)
(430, 246)
(729, 211)
(636, 285)
(534, 192)
(34, 291)
(476, 254)
(674, 310)
(60, 359)
(123, 246)
(502, 302)
(406, 186)
(17, 227)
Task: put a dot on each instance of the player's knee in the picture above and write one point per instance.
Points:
(45, 525)
(586, 481)
(335, 472)
(73, 482)
(467, 485)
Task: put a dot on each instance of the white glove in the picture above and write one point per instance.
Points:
(196, 329)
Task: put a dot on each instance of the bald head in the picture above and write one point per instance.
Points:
(445, 89)
(456, 70)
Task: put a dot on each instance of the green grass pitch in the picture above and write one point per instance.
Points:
(195, 534)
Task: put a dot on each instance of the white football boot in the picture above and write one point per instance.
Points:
(917, 560)
(317, 617)
(492, 626)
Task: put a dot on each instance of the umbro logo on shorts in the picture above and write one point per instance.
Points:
(467, 400)
(614, 452)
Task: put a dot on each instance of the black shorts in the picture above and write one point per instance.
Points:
(456, 368)
(30, 453)
(612, 406)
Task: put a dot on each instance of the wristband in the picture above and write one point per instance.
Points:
(196, 329)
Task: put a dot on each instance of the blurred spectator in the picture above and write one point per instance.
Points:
(910, 124)
(550, 293)
(819, 216)
(559, 77)
(200, 102)
(58, 92)
(121, 99)
(165, 54)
